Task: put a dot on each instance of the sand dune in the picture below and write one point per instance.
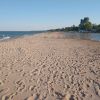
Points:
(49, 67)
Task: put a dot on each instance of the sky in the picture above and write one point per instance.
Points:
(27, 15)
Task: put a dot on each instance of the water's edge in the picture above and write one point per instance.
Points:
(7, 35)
(86, 36)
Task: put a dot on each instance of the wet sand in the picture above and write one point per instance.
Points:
(49, 67)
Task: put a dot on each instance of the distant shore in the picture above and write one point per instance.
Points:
(49, 66)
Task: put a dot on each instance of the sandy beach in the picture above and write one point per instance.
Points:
(49, 67)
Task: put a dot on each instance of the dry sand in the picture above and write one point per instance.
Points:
(49, 67)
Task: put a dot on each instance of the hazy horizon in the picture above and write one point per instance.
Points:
(31, 15)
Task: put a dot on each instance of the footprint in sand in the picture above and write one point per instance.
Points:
(68, 96)
(31, 88)
(8, 97)
(4, 97)
(97, 88)
(20, 85)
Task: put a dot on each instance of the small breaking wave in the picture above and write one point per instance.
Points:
(5, 38)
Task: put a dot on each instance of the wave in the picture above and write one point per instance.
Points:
(5, 38)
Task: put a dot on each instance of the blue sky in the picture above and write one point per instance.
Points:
(46, 14)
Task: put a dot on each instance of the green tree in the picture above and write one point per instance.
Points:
(87, 26)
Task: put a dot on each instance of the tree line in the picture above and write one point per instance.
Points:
(84, 26)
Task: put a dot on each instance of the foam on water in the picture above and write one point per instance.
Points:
(5, 38)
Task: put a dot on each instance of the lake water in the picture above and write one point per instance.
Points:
(13, 34)
(88, 36)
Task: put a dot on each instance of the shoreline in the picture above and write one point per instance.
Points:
(63, 36)
(18, 36)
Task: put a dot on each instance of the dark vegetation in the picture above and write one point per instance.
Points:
(84, 26)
